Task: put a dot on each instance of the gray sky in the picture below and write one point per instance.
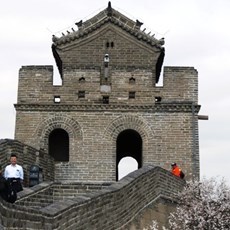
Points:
(196, 34)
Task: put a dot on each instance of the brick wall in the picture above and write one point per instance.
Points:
(36, 87)
(33, 82)
(120, 205)
(169, 128)
(127, 51)
(27, 156)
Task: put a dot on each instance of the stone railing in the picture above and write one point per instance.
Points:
(110, 207)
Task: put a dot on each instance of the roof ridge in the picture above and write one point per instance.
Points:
(108, 15)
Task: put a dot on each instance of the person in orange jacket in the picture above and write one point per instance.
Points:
(176, 170)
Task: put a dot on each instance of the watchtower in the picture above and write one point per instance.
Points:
(109, 106)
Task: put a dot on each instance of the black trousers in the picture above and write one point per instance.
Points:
(15, 183)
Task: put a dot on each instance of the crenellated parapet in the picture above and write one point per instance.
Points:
(180, 84)
(122, 205)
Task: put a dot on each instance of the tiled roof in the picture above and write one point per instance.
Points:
(109, 15)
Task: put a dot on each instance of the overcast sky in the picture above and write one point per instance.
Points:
(196, 34)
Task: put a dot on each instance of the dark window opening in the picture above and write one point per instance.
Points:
(105, 99)
(109, 44)
(132, 80)
(157, 99)
(132, 95)
(82, 79)
(59, 145)
(81, 94)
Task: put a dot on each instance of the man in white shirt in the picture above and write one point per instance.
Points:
(14, 173)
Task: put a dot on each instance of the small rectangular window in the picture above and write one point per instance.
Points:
(82, 79)
(105, 99)
(132, 95)
(81, 94)
(132, 80)
(158, 99)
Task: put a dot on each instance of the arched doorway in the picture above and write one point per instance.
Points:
(129, 144)
(59, 145)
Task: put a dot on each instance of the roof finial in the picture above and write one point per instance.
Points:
(109, 9)
(138, 24)
(54, 38)
(79, 24)
(162, 41)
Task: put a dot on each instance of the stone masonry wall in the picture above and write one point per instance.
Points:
(180, 84)
(116, 207)
(97, 160)
(127, 51)
(36, 86)
(169, 128)
(27, 156)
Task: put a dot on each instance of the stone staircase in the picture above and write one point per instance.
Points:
(131, 203)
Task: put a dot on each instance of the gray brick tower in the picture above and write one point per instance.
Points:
(109, 106)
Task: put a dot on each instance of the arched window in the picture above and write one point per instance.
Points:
(126, 166)
(59, 145)
(129, 144)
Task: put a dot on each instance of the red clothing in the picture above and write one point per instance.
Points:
(176, 171)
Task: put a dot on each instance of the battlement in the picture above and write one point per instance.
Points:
(33, 82)
(123, 205)
(83, 86)
(180, 84)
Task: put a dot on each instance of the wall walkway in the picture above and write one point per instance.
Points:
(125, 204)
